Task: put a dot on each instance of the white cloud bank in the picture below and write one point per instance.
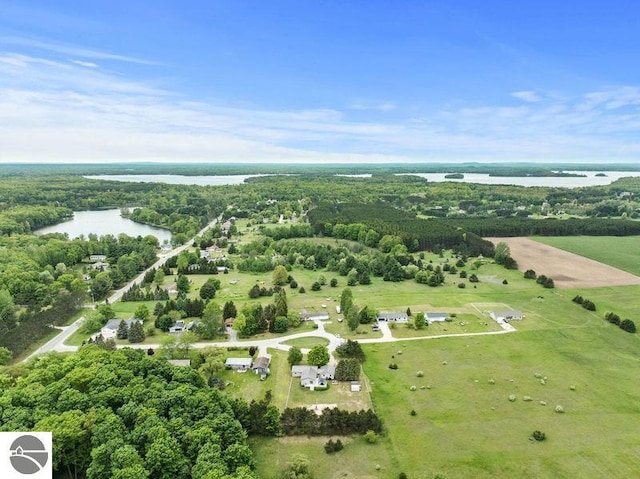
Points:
(75, 111)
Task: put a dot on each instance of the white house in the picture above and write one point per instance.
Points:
(506, 316)
(178, 327)
(312, 376)
(311, 316)
(435, 317)
(110, 330)
(97, 257)
(238, 364)
(397, 317)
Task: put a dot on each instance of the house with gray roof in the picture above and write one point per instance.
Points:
(397, 317)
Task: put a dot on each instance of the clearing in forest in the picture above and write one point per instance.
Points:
(568, 270)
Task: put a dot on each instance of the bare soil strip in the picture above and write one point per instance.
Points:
(568, 270)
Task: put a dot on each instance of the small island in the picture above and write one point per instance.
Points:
(600, 174)
(454, 176)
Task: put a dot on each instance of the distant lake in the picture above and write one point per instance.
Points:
(551, 181)
(566, 182)
(104, 222)
(219, 180)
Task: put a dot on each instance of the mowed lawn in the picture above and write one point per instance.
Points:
(465, 426)
(621, 252)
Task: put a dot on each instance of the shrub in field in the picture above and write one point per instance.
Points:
(512, 397)
(539, 436)
(628, 326)
(419, 374)
(527, 398)
(413, 388)
(331, 446)
(559, 409)
(393, 366)
(371, 437)
(413, 412)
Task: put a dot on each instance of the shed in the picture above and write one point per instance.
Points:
(355, 386)
(261, 365)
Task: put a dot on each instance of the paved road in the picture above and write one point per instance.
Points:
(57, 343)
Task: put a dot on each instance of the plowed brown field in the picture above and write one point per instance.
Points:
(568, 270)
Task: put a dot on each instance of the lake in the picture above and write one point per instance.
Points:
(556, 181)
(219, 180)
(104, 222)
(566, 182)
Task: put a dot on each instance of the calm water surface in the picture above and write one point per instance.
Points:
(220, 180)
(566, 182)
(104, 222)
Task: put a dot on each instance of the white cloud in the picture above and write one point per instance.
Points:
(71, 111)
(372, 106)
(84, 64)
(71, 50)
(528, 96)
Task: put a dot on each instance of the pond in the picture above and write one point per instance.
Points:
(104, 222)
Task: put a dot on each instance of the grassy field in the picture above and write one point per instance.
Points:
(471, 429)
(622, 252)
(307, 342)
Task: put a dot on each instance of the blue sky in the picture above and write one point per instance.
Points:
(319, 81)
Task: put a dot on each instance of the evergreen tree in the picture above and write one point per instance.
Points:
(123, 330)
(136, 332)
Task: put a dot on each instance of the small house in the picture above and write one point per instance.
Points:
(435, 317)
(192, 325)
(311, 316)
(355, 386)
(397, 317)
(506, 316)
(97, 257)
(238, 364)
(178, 327)
(100, 266)
(110, 330)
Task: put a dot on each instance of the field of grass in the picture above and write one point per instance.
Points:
(358, 459)
(471, 429)
(621, 252)
(307, 342)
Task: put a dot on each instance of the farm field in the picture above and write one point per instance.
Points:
(568, 270)
(471, 429)
(621, 252)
